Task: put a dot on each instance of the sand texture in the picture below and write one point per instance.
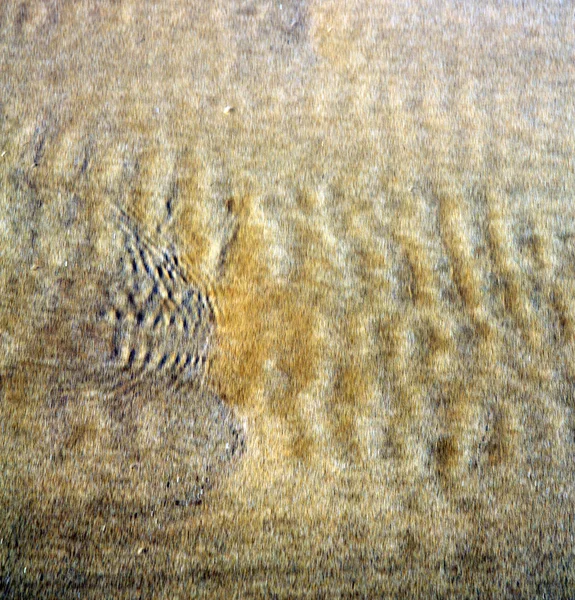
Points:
(287, 299)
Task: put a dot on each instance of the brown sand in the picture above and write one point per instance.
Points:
(287, 299)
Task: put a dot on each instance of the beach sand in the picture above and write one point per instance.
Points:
(287, 300)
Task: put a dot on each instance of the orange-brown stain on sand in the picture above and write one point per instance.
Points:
(266, 353)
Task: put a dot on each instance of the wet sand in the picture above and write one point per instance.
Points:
(287, 301)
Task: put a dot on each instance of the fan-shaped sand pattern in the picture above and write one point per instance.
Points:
(118, 343)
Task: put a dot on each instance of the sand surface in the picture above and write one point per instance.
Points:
(287, 299)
